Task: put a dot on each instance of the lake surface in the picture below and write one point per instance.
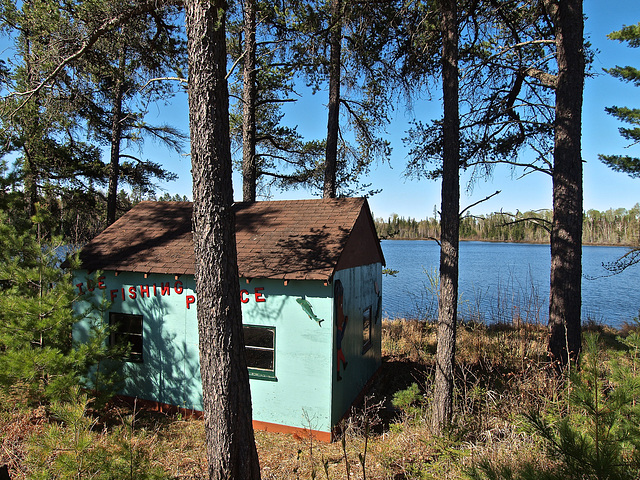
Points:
(504, 281)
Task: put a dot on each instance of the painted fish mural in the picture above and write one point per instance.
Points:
(306, 306)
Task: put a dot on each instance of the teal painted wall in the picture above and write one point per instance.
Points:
(301, 396)
(359, 285)
(170, 373)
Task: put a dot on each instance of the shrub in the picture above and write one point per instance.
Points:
(594, 433)
(38, 361)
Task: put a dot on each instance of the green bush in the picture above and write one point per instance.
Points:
(409, 401)
(72, 447)
(595, 433)
(39, 362)
(403, 399)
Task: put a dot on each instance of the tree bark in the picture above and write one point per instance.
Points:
(30, 169)
(30, 181)
(230, 444)
(566, 231)
(249, 166)
(333, 122)
(116, 137)
(450, 222)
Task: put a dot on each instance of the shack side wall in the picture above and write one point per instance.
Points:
(362, 291)
(300, 394)
(170, 370)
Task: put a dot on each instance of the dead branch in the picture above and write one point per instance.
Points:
(547, 79)
(479, 202)
(162, 79)
(544, 223)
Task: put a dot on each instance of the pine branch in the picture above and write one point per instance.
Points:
(145, 7)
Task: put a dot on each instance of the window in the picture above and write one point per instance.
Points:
(366, 329)
(126, 330)
(259, 343)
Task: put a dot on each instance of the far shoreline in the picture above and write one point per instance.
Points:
(588, 244)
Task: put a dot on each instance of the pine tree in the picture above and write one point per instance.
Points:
(274, 154)
(565, 298)
(118, 86)
(64, 77)
(43, 130)
(524, 65)
(449, 247)
(39, 361)
(625, 163)
(230, 445)
(344, 47)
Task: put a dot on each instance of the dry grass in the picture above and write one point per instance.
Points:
(16, 427)
(501, 373)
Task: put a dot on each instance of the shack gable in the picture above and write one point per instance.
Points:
(289, 239)
(362, 246)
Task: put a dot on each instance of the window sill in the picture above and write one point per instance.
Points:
(260, 375)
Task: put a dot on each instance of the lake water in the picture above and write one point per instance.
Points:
(503, 281)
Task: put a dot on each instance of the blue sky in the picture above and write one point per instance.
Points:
(603, 188)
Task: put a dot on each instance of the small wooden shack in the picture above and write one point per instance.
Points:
(311, 293)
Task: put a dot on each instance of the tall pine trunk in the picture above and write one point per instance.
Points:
(566, 232)
(116, 137)
(249, 166)
(30, 172)
(30, 169)
(333, 122)
(450, 221)
(230, 445)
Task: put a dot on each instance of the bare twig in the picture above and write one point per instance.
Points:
(435, 240)
(235, 64)
(162, 79)
(479, 202)
(542, 222)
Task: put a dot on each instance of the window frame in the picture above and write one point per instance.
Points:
(118, 335)
(260, 373)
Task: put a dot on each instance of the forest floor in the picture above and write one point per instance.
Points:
(502, 374)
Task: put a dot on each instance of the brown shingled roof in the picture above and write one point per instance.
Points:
(289, 239)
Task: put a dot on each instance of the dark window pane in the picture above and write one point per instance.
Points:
(134, 323)
(261, 359)
(366, 329)
(136, 343)
(258, 337)
(366, 324)
(260, 348)
(127, 329)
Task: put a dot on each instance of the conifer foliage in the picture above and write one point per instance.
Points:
(592, 431)
(599, 437)
(37, 355)
(631, 116)
(35, 321)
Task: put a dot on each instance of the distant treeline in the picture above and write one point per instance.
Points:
(612, 227)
